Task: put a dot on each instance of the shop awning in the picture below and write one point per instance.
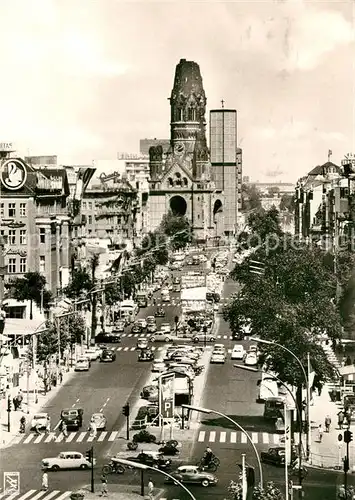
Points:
(18, 327)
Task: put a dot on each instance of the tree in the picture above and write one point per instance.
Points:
(79, 283)
(251, 197)
(272, 190)
(287, 203)
(178, 229)
(31, 287)
(113, 293)
(270, 492)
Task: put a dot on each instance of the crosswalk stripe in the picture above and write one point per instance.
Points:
(70, 438)
(39, 495)
(212, 436)
(133, 348)
(52, 494)
(233, 437)
(63, 495)
(201, 436)
(243, 438)
(16, 440)
(113, 435)
(59, 438)
(90, 438)
(129, 335)
(29, 438)
(265, 438)
(102, 436)
(49, 438)
(27, 494)
(276, 439)
(223, 436)
(39, 438)
(125, 348)
(254, 437)
(81, 437)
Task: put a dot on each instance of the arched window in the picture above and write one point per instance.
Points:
(185, 181)
(191, 114)
(170, 181)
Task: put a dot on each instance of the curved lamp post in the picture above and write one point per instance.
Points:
(208, 411)
(271, 342)
(271, 375)
(147, 467)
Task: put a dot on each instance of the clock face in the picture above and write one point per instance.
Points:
(179, 148)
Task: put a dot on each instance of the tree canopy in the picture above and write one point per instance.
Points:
(79, 283)
(31, 287)
(287, 202)
(178, 229)
(270, 492)
(251, 197)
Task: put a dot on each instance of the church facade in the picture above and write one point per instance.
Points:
(181, 180)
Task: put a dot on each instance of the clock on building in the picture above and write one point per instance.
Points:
(179, 148)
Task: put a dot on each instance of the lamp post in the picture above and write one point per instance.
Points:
(209, 411)
(143, 467)
(299, 415)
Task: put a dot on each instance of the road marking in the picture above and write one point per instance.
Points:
(233, 437)
(133, 349)
(102, 436)
(254, 437)
(56, 427)
(81, 437)
(27, 494)
(70, 438)
(39, 495)
(16, 440)
(51, 494)
(265, 437)
(113, 435)
(125, 348)
(225, 336)
(222, 438)
(60, 438)
(129, 335)
(49, 438)
(276, 439)
(39, 438)
(119, 348)
(91, 438)
(64, 495)
(212, 436)
(201, 436)
(243, 438)
(29, 438)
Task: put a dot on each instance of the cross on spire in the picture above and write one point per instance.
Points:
(222, 102)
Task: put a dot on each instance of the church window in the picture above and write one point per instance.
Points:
(185, 182)
(198, 216)
(170, 181)
(179, 115)
(198, 198)
(191, 114)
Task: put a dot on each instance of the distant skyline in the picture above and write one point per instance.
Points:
(84, 79)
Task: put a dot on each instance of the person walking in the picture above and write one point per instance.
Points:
(341, 416)
(48, 425)
(63, 428)
(320, 433)
(150, 489)
(327, 422)
(45, 481)
(104, 491)
(93, 429)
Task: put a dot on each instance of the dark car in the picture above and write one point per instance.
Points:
(275, 456)
(107, 356)
(72, 417)
(160, 313)
(153, 459)
(137, 328)
(238, 335)
(146, 355)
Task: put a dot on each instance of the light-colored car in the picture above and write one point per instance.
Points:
(150, 320)
(100, 421)
(119, 326)
(158, 366)
(202, 337)
(142, 342)
(82, 365)
(251, 359)
(142, 322)
(162, 336)
(165, 327)
(151, 328)
(238, 352)
(93, 353)
(67, 460)
(193, 475)
(218, 357)
(219, 348)
(39, 419)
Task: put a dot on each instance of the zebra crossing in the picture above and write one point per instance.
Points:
(131, 335)
(58, 437)
(237, 437)
(125, 349)
(37, 495)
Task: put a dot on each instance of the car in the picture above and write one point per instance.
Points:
(114, 336)
(142, 342)
(39, 420)
(165, 327)
(181, 369)
(67, 460)
(152, 459)
(203, 337)
(218, 357)
(191, 474)
(238, 352)
(159, 366)
(150, 320)
(142, 322)
(274, 456)
(161, 336)
(177, 288)
(137, 328)
(203, 258)
(82, 365)
(219, 348)
(93, 353)
(189, 262)
(107, 356)
(100, 421)
(253, 348)
(151, 328)
(146, 355)
(251, 359)
(119, 326)
(72, 417)
(160, 313)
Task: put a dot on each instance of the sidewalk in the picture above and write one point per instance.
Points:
(120, 492)
(31, 404)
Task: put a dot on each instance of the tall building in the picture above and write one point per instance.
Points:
(180, 181)
(224, 167)
(239, 179)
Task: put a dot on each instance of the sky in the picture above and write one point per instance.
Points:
(84, 79)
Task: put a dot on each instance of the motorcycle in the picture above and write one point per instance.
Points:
(294, 471)
(212, 465)
(132, 445)
(113, 467)
(170, 448)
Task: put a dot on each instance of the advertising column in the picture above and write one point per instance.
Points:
(166, 401)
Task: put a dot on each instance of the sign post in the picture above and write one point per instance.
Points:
(166, 401)
(11, 483)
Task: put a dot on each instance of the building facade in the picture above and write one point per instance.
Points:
(180, 180)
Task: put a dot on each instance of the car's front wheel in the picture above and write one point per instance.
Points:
(152, 339)
(205, 483)
(84, 467)
(55, 467)
(167, 339)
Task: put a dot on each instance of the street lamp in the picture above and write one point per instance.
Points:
(143, 467)
(209, 411)
(306, 378)
(299, 415)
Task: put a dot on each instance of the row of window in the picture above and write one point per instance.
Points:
(88, 205)
(12, 210)
(14, 267)
(13, 240)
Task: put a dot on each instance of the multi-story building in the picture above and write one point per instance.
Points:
(239, 179)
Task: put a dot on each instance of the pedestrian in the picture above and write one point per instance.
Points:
(104, 491)
(320, 433)
(341, 417)
(93, 429)
(327, 422)
(150, 489)
(63, 427)
(14, 400)
(45, 481)
(60, 377)
(48, 426)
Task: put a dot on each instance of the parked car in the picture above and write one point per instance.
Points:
(151, 328)
(238, 352)
(137, 328)
(39, 420)
(142, 343)
(67, 460)
(108, 356)
(191, 474)
(82, 365)
(158, 366)
(100, 421)
(218, 357)
(160, 313)
(93, 353)
(251, 359)
(202, 337)
(146, 355)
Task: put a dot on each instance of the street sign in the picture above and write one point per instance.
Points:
(13, 174)
(11, 483)
(167, 396)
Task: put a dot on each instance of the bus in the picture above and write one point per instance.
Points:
(127, 309)
(142, 299)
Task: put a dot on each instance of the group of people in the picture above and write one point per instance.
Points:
(17, 401)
